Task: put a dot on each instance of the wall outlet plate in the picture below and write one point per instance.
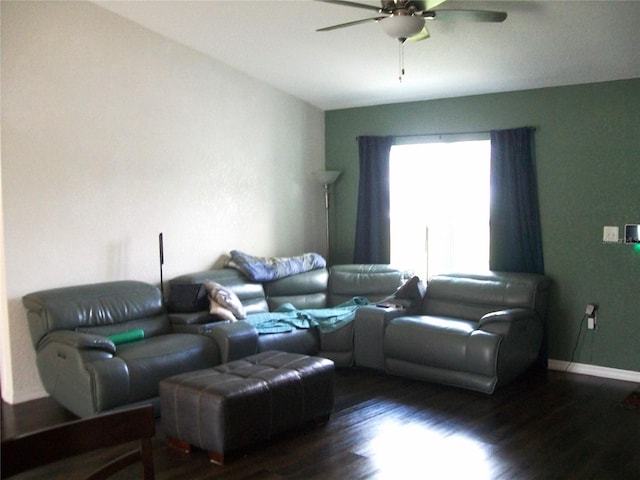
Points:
(610, 234)
(632, 233)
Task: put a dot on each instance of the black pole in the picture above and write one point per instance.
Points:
(161, 263)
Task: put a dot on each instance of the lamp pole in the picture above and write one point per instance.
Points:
(326, 178)
(326, 215)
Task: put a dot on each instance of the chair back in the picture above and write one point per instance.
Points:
(103, 308)
(33, 450)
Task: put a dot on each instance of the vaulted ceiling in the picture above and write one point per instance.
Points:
(541, 44)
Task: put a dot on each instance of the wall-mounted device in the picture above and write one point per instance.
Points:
(590, 313)
(632, 233)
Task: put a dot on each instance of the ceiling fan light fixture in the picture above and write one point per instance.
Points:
(402, 27)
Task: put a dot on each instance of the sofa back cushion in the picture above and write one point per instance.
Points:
(319, 288)
(304, 290)
(375, 282)
(251, 294)
(103, 308)
(470, 296)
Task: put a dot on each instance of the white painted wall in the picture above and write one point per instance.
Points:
(112, 134)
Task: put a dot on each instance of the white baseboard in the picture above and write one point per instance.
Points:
(595, 370)
(14, 399)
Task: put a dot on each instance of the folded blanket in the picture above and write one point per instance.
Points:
(264, 269)
(287, 318)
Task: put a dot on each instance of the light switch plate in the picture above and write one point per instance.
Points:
(610, 234)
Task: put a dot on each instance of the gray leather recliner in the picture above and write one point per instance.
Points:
(476, 331)
(85, 370)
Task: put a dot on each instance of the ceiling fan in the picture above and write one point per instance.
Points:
(405, 19)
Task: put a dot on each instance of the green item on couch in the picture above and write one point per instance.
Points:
(127, 337)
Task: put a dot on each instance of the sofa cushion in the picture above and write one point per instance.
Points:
(443, 343)
(338, 345)
(374, 282)
(303, 341)
(306, 290)
(154, 359)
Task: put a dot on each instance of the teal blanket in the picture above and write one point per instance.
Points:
(287, 318)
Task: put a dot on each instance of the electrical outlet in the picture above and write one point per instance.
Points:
(590, 313)
(610, 234)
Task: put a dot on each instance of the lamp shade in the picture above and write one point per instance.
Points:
(327, 177)
(402, 26)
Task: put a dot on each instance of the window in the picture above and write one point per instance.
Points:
(439, 194)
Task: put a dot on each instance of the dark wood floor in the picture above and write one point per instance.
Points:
(549, 425)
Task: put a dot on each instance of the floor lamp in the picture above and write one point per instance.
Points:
(326, 178)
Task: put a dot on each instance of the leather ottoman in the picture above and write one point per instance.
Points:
(245, 401)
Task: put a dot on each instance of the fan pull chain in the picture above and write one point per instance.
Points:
(401, 62)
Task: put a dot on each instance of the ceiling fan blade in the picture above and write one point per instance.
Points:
(351, 4)
(349, 24)
(467, 16)
(424, 5)
(422, 35)
(413, 6)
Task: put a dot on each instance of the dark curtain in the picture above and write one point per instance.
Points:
(515, 237)
(515, 233)
(372, 221)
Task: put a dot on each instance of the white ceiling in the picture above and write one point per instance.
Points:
(541, 44)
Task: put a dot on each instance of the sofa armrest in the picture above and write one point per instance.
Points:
(369, 325)
(380, 312)
(502, 321)
(194, 322)
(81, 371)
(77, 340)
(521, 331)
(235, 340)
(190, 318)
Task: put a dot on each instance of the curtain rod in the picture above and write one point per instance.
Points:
(477, 132)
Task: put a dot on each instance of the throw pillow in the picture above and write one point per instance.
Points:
(409, 296)
(216, 309)
(412, 289)
(225, 298)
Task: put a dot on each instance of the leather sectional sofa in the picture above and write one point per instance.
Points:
(320, 288)
(83, 366)
(471, 331)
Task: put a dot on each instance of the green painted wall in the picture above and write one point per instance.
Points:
(588, 160)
